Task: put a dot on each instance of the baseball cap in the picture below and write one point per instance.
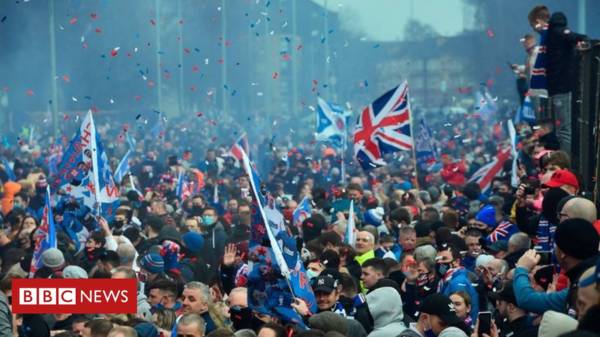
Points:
(506, 294)
(440, 306)
(324, 284)
(563, 177)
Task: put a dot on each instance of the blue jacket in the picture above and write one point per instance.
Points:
(534, 301)
(458, 281)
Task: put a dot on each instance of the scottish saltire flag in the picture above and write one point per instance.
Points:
(502, 232)
(44, 237)
(350, 235)
(486, 173)
(239, 147)
(123, 168)
(512, 133)
(485, 105)
(302, 211)
(424, 147)
(331, 123)
(383, 127)
(526, 112)
(84, 172)
(8, 169)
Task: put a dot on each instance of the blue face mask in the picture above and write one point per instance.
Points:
(208, 220)
(311, 274)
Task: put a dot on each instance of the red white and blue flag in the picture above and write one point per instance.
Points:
(502, 232)
(44, 237)
(240, 147)
(487, 173)
(383, 127)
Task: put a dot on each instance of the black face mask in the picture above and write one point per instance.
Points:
(243, 319)
(197, 210)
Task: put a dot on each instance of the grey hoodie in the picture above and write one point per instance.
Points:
(385, 306)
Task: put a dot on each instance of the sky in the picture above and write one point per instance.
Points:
(384, 20)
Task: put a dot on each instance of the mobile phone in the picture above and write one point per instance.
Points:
(545, 258)
(485, 323)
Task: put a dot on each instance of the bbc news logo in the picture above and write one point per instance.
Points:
(76, 296)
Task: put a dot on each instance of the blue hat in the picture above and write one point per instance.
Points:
(193, 241)
(153, 263)
(374, 216)
(487, 215)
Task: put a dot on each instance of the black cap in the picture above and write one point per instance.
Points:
(506, 294)
(324, 284)
(440, 306)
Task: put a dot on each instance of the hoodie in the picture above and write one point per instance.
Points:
(560, 59)
(385, 306)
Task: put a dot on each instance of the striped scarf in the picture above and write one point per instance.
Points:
(538, 85)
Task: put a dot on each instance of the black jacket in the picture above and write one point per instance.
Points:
(560, 64)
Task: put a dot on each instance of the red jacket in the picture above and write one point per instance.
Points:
(454, 174)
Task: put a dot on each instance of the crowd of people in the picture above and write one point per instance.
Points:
(433, 254)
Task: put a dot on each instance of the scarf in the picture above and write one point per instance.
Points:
(538, 85)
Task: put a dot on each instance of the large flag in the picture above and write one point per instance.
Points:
(424, 147)
(350, 235)
(302, 211)
(240, 147)
(486, 174)
(485, 105)
(123, 168)
(512, 133)
(268, 294)
(84, 172)
(331, 123)
(44, 236)
(383, 127)
(8, 169)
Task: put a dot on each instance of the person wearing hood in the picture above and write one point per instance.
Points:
(385, 306)
(560, 65)
(454, 277)
(214, 239)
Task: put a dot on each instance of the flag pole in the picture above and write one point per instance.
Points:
(343, 155)
(95, 173)
(412, 135)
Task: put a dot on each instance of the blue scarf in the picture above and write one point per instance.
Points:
(538, 85)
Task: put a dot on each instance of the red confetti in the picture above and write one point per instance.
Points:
(181, 22)
(98, 30)
(186, 50)
(227, 43)
(221, 61)
(65, 117)
(153, 22)
(73, 20)
(150, 84)
(193, 88)
(195, 69)
(94, 16)
(94, 108)
(490, 33)
(286, 57)
(137, 98)
(275, 75)
(489, 83)
(114, 52)
(66, 78)
(29, 92)
(85, 45)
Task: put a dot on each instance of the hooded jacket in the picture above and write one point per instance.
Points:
(385, 306)
(560, 59)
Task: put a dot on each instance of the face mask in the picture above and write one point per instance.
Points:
(197, 210)
(442, 268)
(422, 279)
(118, 223)
(208, 220)
(311, 274)
(241, 318)
(17, 206)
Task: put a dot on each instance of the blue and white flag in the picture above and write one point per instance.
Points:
(424, 147)
(512, 133)
(350, 235)
(8, 169)
(84, 172)
(301, 212)
(484, 103)
(44, 237)
(331, 123)
(525, 113)
(123, 168)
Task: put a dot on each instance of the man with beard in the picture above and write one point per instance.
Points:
(514, 319)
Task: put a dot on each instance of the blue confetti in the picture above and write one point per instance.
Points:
(376, 46)
(3, 19)
(330, 31)
(233, 92)
(322, 39)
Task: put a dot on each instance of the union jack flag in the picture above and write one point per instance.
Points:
(239, 147)
(383, 127)
(486, 174)
(502, 232)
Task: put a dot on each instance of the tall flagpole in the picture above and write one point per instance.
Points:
(158, 55)
(344, 145)
(412, 136)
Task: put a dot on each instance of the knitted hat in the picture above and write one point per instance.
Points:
(577, 238)
(487, 215)
(328, 321)
(146, 329)
(193, 241)
(74, 272)
(374, 216)
(53, 258)
(452, 332)
(153, 263)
